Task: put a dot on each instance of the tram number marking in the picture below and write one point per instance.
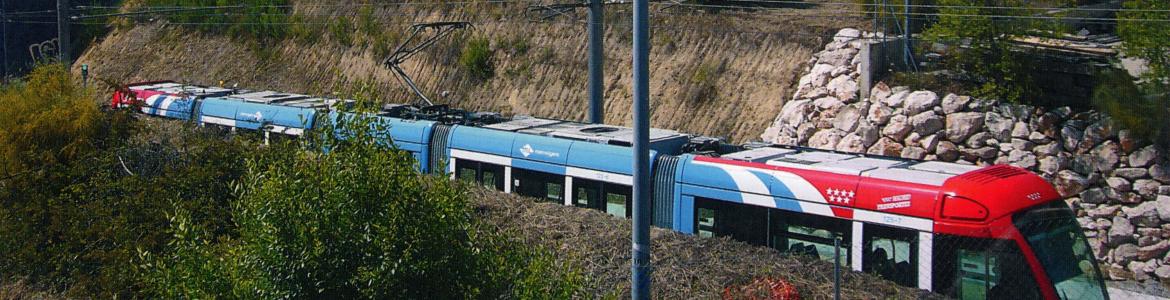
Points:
(892, 219)
(1034, 196)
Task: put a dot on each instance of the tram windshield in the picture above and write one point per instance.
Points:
(1062, 249)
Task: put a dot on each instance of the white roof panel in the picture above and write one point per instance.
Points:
(758, 154)
(908, 175)
(856, 166)
(944, 167)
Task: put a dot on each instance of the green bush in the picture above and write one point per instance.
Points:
(356, 221)
(342, 31)
(1146, 39)
(703, 82)
(264, 20)
(86, 194)
(1142, 109)
(476, 58)
(980, 46)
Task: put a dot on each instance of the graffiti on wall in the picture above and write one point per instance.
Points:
(44, 51)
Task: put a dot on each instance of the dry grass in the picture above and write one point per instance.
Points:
(763, 54)
(22, 290)
(685, 267)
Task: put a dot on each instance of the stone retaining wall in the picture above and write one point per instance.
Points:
(1118, 185)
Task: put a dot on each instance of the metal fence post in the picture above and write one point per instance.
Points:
(837, 267)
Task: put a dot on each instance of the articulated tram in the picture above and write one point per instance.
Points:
(965, 231)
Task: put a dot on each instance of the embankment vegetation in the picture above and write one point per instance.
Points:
(100, 204)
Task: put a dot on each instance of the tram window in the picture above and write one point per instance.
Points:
(808, 234)
(491, 176)
(739, 221)
(587, 193)
(970, 268)
(484, 174)
(617, 200)
(706, 222)
(545, 186)
(891, 253)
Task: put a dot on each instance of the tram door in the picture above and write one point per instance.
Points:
(484, 174)
(739, 221)
(613, 199)
(891, 253)
(544, 186)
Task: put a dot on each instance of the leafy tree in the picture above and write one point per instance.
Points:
(87, 190)
(356, 221)
(978, 35)
(1147, 39)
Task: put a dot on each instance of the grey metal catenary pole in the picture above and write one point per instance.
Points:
(63, 32)
(641, 247)
(596, 62)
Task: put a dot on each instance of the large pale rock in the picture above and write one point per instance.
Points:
(1022, 159)
(896, 98)
(1153, 251)
(1119, 184)
(1049, 149)
(1121, 232)
(1143, 157)
(998, 127)
(913, 152)
(825, 139)
(1163, 272)
(1022, 144)
(1144, 214)
(1038, 138)
(1131, 173)
(981, 105)
(930, 142)
(897, 128)
(838, 57)
(1020, 130)
(1163, 207)
(1094, 196)
(851, 143)
(1127, 140)
(926, 123)
(1138, 268)
(1103, 211)
(879, 92)
(1069, 183)
(844, 88)
(920, 101)
(869, 133)
(885, 146)
(805, 132)
(828, 104)
(1104, 158)
(879, 114)
(1072, 137)
(952, 103)
(1161, 173)
(1052, 164)
(1147, 188)
(986, 154)
(960, 126)
(1125, 253)
(846, 35)
(979, 139)
(795, 112)
(1095, 134)
(947, 151)
(847, 118)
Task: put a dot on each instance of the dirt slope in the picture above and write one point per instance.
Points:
(720, 73)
